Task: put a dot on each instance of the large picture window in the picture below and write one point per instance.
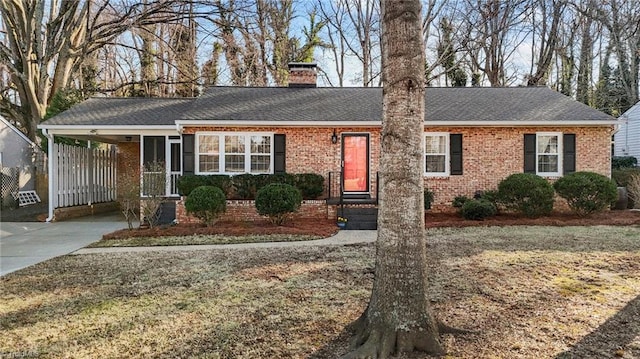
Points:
(548, 152)
(436, 154)
(234, 153)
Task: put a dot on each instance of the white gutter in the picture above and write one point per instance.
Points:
(105, 127)
(50, 170)
(493, 123)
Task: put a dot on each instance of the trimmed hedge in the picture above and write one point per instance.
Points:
(619, 162)
(206, 203)
(311, 185)
(526, 193)
(277, 201)
(188, 183)
(586, 192)
(246, 186)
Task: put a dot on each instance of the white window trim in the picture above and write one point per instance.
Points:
(221, 152)
(559, 154)
(447, 159)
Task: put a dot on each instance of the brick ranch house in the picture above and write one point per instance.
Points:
(473, 137)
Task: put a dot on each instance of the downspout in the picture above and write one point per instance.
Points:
(50, 140)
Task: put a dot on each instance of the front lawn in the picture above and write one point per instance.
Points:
(529, 292)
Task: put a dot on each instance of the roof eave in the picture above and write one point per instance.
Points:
(262, 123)
(478, 123)
(45, 126)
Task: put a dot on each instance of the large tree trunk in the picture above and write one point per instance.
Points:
(398, 317)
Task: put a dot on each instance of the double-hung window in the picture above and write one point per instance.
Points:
(548, 154)
(234, 153)
(436, 154)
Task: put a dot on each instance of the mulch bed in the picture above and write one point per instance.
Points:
(607, 218)
(326, 228)
(233, 228)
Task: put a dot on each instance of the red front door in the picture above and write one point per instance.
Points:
(355, 156)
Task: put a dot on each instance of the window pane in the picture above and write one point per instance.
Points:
(234, 144)
(209, 163)
(260, 164)
(547, 163)
(208, 144)
(261, 144)
(435, 163)
(436, 144)
(547, 144)
(234, 163)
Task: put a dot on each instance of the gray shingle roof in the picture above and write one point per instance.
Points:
(130, 111)
(453, 105)
(287, 104)
(506, 104)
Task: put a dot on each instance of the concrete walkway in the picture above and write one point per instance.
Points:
(341, 238)
(23, 244)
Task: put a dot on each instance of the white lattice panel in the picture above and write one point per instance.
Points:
(28, 197)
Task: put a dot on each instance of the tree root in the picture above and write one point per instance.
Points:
(371, 342)
(446, 329)
(375, 342)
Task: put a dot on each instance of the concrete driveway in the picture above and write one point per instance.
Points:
(23, 244)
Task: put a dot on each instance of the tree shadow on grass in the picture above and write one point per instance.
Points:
(611, 339)
(335, 348)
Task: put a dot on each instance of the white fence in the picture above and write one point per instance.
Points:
(83, 175)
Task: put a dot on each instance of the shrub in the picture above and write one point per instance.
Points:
(459, 201)
(278, 201)
(526, 193)
(586, 192)
(311, 185)
(493, 197)
(619, 162)
(428, 198)
(221, 181)
(207, 203)
(633, 189)
(188, 183)
(623, 175)
(477, 209)
(244, 186)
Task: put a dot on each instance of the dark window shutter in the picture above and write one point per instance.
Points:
(530, 153)
(188, 154)
(279, 152)
(153, 149)
(569, 153)
(455, 153)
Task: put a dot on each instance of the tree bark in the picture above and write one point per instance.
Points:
(399, 317)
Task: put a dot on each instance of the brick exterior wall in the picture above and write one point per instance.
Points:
(245, 210)
(490, 154)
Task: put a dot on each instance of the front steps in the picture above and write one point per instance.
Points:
(359, 218)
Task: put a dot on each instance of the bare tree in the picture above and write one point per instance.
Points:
(494, 33)
(44, 35)
(586, 13)
(622, 19)
(546, 18)
(353, 28)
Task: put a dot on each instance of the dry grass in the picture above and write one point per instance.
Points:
(531, 292)
(200, 239)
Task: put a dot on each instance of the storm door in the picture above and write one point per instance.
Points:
(355, 162)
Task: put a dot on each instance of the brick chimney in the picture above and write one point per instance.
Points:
(302, 74)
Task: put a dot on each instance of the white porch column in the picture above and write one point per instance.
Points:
(52, 173)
